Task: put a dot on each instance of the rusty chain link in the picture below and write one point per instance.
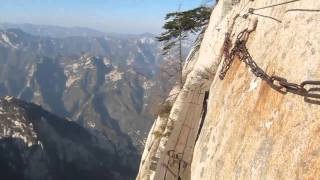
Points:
(280, 84)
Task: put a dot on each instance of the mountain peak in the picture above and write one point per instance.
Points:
(40, 138)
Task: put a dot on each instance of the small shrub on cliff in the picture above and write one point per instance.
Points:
(157, 134)
(165, 109)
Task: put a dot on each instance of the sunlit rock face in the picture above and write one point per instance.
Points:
(245, 129)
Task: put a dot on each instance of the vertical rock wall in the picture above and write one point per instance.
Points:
(250, 130)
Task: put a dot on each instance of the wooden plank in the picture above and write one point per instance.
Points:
(185, 127)
(178, 123)
(185, 132)
(172, 172)
(194, 131)
(161, 170)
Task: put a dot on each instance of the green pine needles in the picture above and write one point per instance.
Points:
(178, 26)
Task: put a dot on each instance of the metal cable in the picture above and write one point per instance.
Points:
(275, 5)
(305, 10)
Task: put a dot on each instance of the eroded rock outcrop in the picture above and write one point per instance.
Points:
(248, 128)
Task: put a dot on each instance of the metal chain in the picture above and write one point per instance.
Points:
(278, 83)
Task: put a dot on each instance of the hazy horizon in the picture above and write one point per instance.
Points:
(65, 26)
(111, 16)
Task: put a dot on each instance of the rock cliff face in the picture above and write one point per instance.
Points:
(244, 126)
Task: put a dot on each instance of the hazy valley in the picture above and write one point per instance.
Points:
(110, 85)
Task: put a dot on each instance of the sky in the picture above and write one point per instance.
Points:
(116, 16)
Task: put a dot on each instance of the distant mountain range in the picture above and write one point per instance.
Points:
(109, 84)
(99, 82)
(62, 32)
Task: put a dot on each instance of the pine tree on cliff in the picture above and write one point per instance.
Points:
(178, 26)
